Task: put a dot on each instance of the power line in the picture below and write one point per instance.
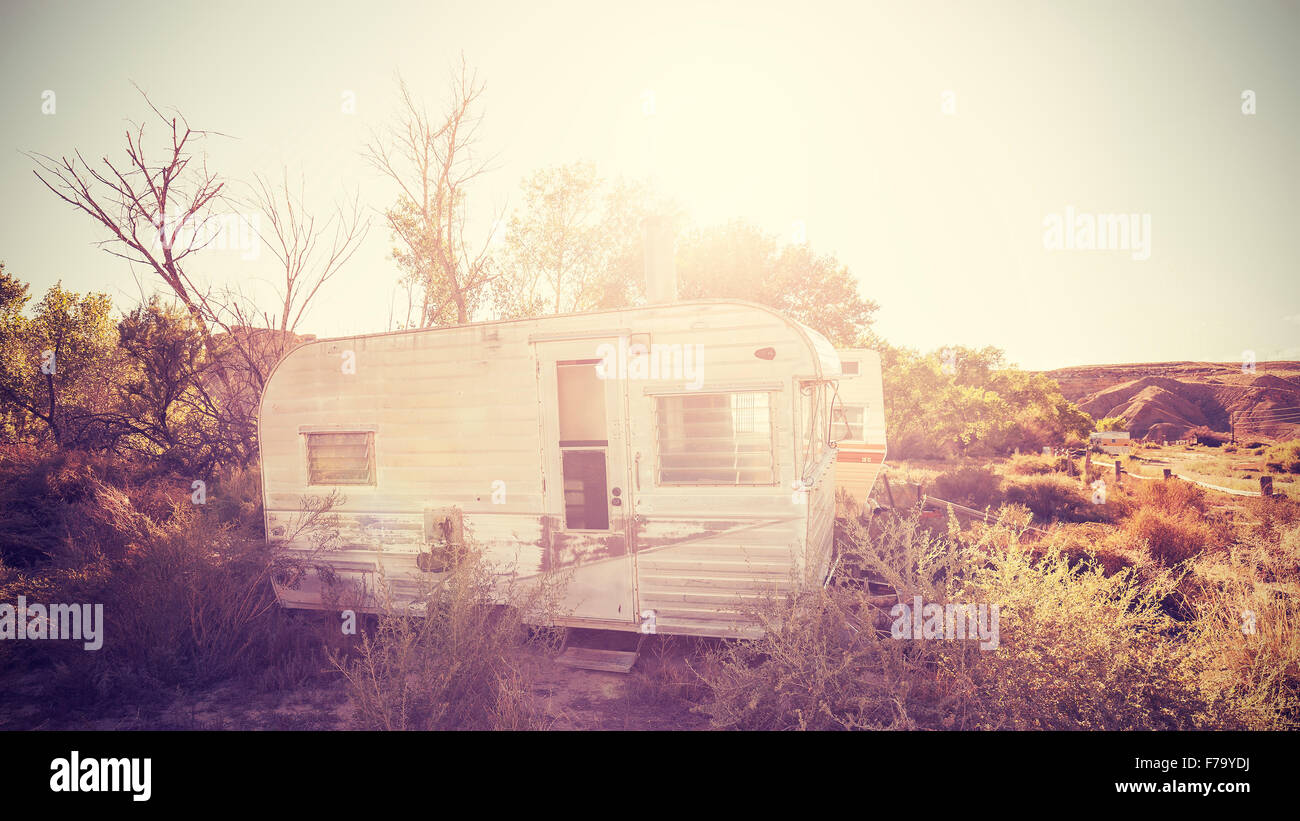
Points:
(1268, 410)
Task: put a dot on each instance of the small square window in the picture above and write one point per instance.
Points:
(342, 458)
(849, 368)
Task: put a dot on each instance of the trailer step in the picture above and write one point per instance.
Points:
(588, 658)
(609, 651)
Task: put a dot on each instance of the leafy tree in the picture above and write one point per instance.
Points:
(960, 401)
(740, 261)
(58, 365)
(573, 246)
(162, 401)
(1112, 423)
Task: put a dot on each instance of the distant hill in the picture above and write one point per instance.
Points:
(1164, 400)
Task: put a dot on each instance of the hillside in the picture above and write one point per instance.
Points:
(1164, 400)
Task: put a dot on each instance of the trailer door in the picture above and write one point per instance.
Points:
(584, 444)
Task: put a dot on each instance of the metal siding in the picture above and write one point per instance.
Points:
(453, 410)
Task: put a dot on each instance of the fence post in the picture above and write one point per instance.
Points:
(1118, 471)
(1266, 486)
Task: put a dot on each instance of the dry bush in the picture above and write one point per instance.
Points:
(1100, 544)
(1247, 633)
(969, 485)
(1171, 538)
(460, 657)
(1271, 515)
(1077, 649)
(190, 602)
(1173, 497)
(1030, 464)
(1283, 457)
(823, 661)
(1055, 498)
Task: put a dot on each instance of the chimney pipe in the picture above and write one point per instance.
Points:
(660, 270)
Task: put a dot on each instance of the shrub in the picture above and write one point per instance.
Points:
(1204, 436)
(1098, 650)
(1245, 635)
(455, 659)
(1028, 464)
(1171, 538)
(1173, 496)
(1054, 498)
(1284, 457)
(189, 603)
(969, 485)
(1091, 543)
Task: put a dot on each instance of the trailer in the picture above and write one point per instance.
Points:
(858, 423)
(674, 461)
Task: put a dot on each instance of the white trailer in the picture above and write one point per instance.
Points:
(858, 423)
(673, 460)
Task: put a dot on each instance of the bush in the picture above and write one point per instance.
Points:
(1091, 543)
(1204, 436)
(1284, 457)
(71, 507)
(1173, 497)
(1099, 651)
(1246, 644)
(456, 659)
(1171, 538)
(1028, 464)
(1055, 498)
(187, 603)
(969, 485)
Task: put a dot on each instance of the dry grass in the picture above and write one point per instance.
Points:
(456, 659)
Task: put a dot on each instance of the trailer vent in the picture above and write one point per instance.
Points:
(342, 458)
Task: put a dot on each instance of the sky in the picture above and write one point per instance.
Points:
(951, 155)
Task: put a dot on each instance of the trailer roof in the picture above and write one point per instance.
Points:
(825, 355)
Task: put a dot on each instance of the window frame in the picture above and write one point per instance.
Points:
(372, 459)
(773, 451)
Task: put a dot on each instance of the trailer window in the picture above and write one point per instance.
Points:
(716, 439)
(341, 458)
(847, 425)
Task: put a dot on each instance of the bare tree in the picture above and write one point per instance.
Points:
(155, 211)
(433, 162)
(157, 208)
(296, 241)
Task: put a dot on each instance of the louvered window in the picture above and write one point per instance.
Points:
(716, 439)
(343, 458)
